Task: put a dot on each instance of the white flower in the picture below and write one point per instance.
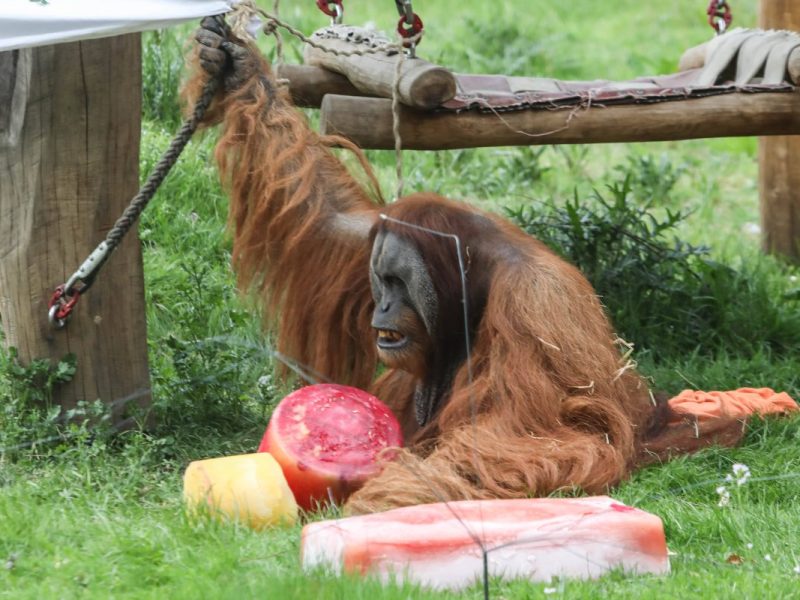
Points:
(767, 557)
(724, 496)
(797, 569)
(549, 591)
(264, 380)
(750, 546)
(741, 473)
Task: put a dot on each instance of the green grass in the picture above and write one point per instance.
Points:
(108, 522)
(103, 517)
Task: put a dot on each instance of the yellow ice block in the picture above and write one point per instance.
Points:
(249, 488)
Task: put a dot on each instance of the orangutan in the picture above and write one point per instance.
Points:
(545, 401)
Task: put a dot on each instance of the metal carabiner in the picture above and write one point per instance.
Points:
(88, 270)
(66, 296)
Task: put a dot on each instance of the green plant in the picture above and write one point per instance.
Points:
(106, 520)
(480, 173)
(162, 64)
(651, 178)
(663, 294)
(204, 372)
(506, 49)
(28, 417)
(205, 357)
(34, 383)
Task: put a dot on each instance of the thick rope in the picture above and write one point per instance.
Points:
(162, 168)
(173, 152)
(66, 295)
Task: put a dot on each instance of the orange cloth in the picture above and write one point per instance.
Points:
(737, 403)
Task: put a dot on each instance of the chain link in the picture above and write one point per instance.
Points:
(719, 15)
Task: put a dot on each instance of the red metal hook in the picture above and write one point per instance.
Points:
(719, 15)
(409, 30)
(61, 305)
(325, 6)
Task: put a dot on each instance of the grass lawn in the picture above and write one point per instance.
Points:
(101, 516)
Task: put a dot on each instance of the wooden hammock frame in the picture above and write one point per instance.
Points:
(353, 95)
(367, 121)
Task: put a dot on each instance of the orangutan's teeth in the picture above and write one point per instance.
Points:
(393, 336)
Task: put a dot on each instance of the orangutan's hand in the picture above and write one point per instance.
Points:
(221, 54)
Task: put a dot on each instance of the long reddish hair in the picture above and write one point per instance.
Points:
(546, 402)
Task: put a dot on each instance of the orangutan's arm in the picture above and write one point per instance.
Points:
(300, 220)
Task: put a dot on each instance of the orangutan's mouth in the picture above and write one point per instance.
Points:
(391, 340)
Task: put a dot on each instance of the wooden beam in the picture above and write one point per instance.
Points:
(368, 122)
(779, 175)
(308, 85)
(69, 164)
(421, 84)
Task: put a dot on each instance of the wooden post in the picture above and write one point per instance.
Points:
(779, 169)
(69, 151)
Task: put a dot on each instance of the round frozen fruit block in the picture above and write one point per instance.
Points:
(249, 488)
(329, 439)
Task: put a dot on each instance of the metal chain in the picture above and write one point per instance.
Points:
(382, 48)
(719, 15)
(404, 9)
(66, 296)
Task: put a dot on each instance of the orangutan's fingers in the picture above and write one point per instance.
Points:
(236, 52)
(244, 64)
(217, 55)
(215, 24)
(213, 60)
(209, 39)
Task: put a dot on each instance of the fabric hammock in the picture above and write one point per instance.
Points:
(742, 60)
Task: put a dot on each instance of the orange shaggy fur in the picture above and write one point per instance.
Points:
(550, 405)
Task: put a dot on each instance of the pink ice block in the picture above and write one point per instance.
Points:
(536, 539)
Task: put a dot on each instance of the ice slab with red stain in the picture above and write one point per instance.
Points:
(536, 539)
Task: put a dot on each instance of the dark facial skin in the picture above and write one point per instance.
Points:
(405, 305)
(412, 332)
